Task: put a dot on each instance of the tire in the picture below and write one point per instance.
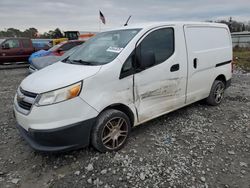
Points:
(111, 131)
(216, 94)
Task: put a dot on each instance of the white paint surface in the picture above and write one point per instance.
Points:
(149, 93)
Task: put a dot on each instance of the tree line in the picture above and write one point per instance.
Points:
(234, 26)
(31, 33)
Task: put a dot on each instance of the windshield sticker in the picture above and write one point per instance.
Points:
(114, 49)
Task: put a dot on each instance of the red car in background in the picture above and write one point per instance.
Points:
(15, 49)
(62, 47)
(56, 50)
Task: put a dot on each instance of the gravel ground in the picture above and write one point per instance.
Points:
(196, 146)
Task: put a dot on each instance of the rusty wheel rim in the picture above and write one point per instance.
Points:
(114, 133)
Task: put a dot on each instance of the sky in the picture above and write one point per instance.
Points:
(83, 15)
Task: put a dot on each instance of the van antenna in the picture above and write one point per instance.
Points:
(127, 21)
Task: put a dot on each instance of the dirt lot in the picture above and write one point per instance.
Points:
(197, 146)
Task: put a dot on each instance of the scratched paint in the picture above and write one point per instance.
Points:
(171, 88)
(165, 91)
(159, 97)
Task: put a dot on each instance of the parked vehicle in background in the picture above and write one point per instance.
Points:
(56, 50)
(41, 44)
(68, 35)
(15, 49)
(54, 42)
(122, 78)
(62, 47)
(42, 62)
(72, 35)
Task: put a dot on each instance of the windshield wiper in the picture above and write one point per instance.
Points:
(67, 60)
(82, 62)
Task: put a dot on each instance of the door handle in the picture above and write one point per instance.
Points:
(195, 63)
(175, 67)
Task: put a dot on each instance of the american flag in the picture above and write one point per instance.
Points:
(102, 17)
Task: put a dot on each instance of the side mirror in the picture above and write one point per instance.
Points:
(6, 46)
(147, 60)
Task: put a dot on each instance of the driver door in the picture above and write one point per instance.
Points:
(159, 88)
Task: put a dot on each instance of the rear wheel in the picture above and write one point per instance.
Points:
(217, 93)
(111, 131)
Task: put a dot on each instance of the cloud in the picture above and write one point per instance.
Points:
(84, 14)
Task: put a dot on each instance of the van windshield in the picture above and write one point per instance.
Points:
(102, 48)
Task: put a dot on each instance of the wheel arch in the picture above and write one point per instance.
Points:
(222, 78)
(123, 108)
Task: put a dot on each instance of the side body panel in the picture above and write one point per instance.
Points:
(149, 93)
(207, 46)
(157, 89)
(105, 88)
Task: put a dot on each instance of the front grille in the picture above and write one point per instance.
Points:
(24, 105)
(25, 100)
(28, 94)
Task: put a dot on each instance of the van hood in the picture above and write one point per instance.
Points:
(57, 76)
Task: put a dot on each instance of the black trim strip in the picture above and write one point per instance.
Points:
(27, 93)
(228, 83)
(223, 63)
(60, 139)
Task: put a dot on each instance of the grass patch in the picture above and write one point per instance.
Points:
(242, 58)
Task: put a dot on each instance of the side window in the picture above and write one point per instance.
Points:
(160, 42)
(127, 65)
(26, 43)
(13, 43)
(127, 68)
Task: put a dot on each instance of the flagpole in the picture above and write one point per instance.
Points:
(99, 25)
(99, 21)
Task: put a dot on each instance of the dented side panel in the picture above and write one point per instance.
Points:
(157, 89)
(106, 89)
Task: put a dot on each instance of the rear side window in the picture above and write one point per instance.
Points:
(26, 43)
(160, 42)
(13, 43)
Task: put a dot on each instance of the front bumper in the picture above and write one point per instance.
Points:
(58, 127)
(65, 138)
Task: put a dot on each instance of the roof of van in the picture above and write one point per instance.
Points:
(177, 23)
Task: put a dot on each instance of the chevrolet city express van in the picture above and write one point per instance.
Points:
(122, 78)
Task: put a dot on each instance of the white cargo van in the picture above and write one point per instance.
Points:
(122, 78)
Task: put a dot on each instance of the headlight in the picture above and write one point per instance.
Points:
(59, 95)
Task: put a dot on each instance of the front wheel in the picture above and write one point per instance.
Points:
(111, 131)
(216, 94)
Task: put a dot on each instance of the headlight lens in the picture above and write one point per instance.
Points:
(59, 95)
